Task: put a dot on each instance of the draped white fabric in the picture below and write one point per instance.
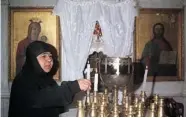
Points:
(117, 23)
(78, 18)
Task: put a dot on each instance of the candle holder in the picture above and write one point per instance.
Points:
(81, 111)
(97, 104)
(93, 110)
(161, 108)
(111, 70)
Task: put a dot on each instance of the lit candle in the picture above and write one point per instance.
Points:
(96, 81)
(88, 75)
(88, 71)
(145, 78)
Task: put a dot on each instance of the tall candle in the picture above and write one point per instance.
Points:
(88, 71)
(96, 81)
(145, 78)
(88, 75)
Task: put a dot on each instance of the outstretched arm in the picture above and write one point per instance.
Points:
(60, 95)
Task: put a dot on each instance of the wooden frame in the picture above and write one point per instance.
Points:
(19, 21)
(173, 21)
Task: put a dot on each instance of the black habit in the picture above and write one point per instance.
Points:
(34, 92)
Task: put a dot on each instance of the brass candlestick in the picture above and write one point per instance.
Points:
(115, 99)
(125, 106)
(103, 112)
(155, 99)
(80, 112)
(106, 95)
(135, 102)
(130, 111)
(152, 110)
(95, 98)
(87, 104)
(139, 111)
(115, 112)
(88, 101)
(125, 91)
(106, 91)
(93, 110)
(124, 95)
(161, 108)
(143, 96)
(104, 100)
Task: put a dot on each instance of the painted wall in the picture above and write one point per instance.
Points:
(176, 89)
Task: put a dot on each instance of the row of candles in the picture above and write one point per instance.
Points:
(95, 77)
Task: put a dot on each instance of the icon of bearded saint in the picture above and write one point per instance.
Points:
(34, 30)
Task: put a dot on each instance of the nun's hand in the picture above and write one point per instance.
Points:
(84, 84)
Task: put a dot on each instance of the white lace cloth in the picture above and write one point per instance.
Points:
(78, 18)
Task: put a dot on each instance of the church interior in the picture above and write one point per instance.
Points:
(132, 51)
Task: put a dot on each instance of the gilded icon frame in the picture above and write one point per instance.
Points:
(19, 20)
(142, 32)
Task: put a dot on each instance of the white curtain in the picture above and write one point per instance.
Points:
(78, 18)
(77, 22)
(117, 24)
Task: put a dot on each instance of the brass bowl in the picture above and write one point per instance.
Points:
(116, 71)
(112, 70)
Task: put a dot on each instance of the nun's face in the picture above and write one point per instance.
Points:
(45, 60)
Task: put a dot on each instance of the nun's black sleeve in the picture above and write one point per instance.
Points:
(56, 96)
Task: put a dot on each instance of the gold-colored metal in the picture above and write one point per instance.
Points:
(155, 99)
(93, 110)
(80, 112)
(130, 111)
(95, 97)
(115, 112)
(161, 108)
(106, 91)
(88, 101)
(124, 95)
(104, 100)
(106, 95)
(143, 96)
(139, 111)
(152, 110)
(125, 91)
(115, 99)
(87, 104)
(137, 107)
(136, 102)
(125, 106)
(103, 111)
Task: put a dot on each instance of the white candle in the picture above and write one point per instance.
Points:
(88, 71)
(96, 81)
(117, 66)
(88, 75)
(145, 78)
